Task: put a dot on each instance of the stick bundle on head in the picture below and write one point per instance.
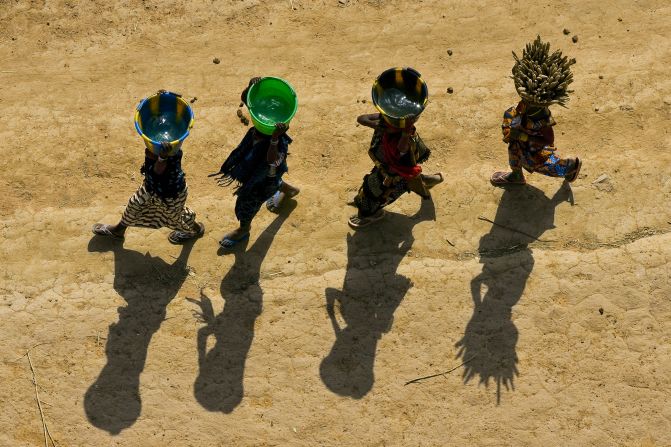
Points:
(541, 78)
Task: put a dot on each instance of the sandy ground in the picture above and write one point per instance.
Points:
(309, 336)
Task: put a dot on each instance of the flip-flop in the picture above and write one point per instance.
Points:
(227, 242)
(104, 230)
(572, 178)
(274, 202)
(500, 178)
(179, 237)
(442, 179)
(356, 222)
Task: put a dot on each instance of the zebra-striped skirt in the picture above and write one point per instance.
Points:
(148, 210)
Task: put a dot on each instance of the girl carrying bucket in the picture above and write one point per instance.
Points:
(161, 199)
(396, 149)
(260, 160)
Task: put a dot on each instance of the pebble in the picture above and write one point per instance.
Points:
(601, 310)
(450, 90)
(566, 31)
(600, 76)
(242, 104)
(574, 39)
(194, 99)
(216, 60)
(239, 113)
(449, 52)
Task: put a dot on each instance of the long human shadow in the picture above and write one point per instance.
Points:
(371, 292)
(220, 382)
(488, 346)
(148, 284)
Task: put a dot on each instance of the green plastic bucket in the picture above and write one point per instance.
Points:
(271, 101)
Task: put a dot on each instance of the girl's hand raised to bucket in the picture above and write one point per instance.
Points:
(371, 120)
(280, 129)
(165, 150)
(409, 128)
(161, 163)
(273, 155)
(243, 95)
(161, 91)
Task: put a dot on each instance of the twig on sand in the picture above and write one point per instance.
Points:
(511, 229)
(419, 379)
(45, 428)
(27, 351)
(449, 242)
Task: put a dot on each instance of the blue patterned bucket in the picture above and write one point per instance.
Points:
(164, 116)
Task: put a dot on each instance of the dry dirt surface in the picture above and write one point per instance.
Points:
(554, 322)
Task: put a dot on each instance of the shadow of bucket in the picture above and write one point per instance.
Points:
(164, 116)
(399, 94)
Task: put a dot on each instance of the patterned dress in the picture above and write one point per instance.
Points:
(373, 194)
(161, 199)
(531, 142)
(257, 179)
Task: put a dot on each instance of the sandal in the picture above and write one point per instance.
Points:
(501, 178)
(104, 230)
(357, 222)
(430, 185)
(274, 202)
(179, 237)
(228, 242)
(574, 175)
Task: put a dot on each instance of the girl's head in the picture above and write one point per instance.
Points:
(536, 111)
(392, 128)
